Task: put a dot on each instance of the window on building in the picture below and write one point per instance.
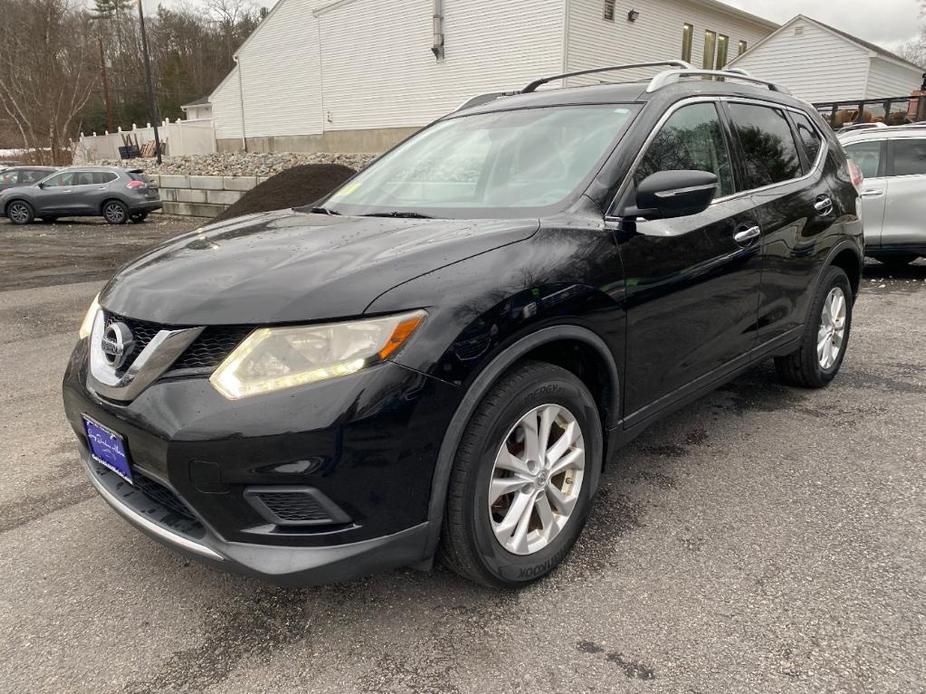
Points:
(868, 157)
(769, 150)
(687, 36)
(723, 43)
(609, 10)
(909, 157)
(710, 47)
(691, 139)
(808, 135)
(742, 47)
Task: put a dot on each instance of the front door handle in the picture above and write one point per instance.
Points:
(872, 193)
(823, 204)
(748, 235)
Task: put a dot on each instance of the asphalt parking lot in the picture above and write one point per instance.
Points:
(763, 539)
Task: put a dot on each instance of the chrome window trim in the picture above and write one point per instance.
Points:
(717, 100)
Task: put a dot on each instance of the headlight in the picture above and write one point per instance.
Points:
(87, 326)
(271, 359)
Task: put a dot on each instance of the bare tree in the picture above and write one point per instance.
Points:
(46, 72)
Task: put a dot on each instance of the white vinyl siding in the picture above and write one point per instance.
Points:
(655, 35)
(886, 78)
(226, 108)
(379, 72)
(819, 65)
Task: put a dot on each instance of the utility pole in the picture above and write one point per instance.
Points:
(109, 108)
(152, 104)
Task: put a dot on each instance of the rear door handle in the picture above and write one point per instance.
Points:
(748, 235)
(872, 193)
(823, 205)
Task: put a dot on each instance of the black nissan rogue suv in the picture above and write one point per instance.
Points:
(440, 358)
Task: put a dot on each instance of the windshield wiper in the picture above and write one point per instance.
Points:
(396, 213)
(323, 210)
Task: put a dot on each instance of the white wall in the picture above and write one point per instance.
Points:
(886, 78)
(816, 65)
(379, 72)
(655, 35)
(226, 107)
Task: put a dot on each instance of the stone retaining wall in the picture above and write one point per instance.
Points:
(202, 196)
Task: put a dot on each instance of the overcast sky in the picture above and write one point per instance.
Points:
(884, 22)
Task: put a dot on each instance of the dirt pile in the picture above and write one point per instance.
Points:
(294, 187)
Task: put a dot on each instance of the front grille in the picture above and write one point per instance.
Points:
(208, 350)
(160, 494)
(143, 332)
(211, 347)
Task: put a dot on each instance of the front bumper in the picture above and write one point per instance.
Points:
(284, 565)
(367, 442)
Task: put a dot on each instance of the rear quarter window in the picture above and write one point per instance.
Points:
(809, 136)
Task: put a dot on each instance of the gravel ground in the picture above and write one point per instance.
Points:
(764, 539)
(240, 163)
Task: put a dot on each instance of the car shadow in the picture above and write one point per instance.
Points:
(913, 271)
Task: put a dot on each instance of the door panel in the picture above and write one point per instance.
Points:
(692, 290)
(692, 299)
(905, 209)
(794, 207)
(870, 157)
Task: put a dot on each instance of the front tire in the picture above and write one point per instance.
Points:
(525, 472)
(826, 335)
(115, 212)
(20, 212)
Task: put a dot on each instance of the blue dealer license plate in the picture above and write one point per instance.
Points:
(108, 448)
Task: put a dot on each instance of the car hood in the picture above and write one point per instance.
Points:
(288, 266)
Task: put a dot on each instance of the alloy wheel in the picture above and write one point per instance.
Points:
(832, 332)
(114, 213)
(18, 212)
(536, 479)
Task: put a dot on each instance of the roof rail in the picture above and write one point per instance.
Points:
(480, 99)
(681, 64)
(668, 77)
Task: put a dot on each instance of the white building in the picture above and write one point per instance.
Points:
(820, 63)
(358, 75)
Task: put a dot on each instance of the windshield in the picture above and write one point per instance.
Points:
(504, 164)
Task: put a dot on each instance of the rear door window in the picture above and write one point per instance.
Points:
(101, 177)
(9, 178)
(809, 136)
(770, 153)
(909, 157)
(692, 138)
(868, 157)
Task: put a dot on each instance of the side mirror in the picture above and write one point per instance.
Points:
(668, 194)
(40, 185)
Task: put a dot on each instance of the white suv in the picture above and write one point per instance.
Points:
(893, 161)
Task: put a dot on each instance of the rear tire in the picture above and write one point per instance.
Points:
(484, 536)
(20, 212)
(816, 362)
(115, 212)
